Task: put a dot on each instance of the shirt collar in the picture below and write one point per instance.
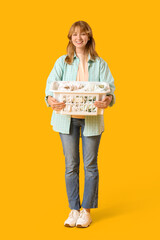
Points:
(89, 57)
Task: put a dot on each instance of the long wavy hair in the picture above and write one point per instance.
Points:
(90, 46)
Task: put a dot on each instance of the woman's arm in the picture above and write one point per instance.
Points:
(106, 76)
(55, 75)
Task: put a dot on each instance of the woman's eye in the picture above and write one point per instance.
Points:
(74, 34)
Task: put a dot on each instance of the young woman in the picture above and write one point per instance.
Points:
(81, 63)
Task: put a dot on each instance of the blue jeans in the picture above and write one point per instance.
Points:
(90, 145)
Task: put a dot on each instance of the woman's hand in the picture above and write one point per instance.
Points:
(55, 105)
(104, 103)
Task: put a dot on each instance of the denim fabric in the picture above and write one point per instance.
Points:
(90, 145)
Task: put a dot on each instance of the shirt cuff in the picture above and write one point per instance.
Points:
(46, 100)
(113, 100)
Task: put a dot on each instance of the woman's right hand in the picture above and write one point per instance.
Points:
(55, 105)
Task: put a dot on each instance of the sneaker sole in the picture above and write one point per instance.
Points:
(67, 225)
(80, 226)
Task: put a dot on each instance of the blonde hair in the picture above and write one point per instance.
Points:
(90, 46)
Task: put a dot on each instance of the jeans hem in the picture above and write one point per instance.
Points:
(88, 207)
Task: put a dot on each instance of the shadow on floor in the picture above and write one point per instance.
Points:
(120, 208)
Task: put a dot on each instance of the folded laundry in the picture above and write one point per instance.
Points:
(80, 87)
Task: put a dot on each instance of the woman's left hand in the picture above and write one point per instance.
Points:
(104, 103)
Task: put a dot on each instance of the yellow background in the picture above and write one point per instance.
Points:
(34, 202)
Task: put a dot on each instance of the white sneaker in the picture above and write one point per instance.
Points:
(84, 219)
(72, 219)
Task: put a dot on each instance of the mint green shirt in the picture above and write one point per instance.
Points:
(98, 71)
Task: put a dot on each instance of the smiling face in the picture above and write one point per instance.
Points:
(79, 39)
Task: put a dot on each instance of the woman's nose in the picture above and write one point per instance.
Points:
(78, 36)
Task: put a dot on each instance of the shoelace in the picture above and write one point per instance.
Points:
(82, 214)
(71, 214)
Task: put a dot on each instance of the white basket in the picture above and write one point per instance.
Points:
(80, 101)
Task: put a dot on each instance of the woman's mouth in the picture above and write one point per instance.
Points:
(79, 42)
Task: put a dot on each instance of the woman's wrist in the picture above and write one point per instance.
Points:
(110, 97)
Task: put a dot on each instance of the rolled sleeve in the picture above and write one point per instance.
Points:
(106, 76)
(46, 100)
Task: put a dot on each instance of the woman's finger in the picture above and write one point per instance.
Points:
(58, 103)
(101, 105)
(56, 106)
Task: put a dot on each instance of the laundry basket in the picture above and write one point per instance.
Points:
(79, 97)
